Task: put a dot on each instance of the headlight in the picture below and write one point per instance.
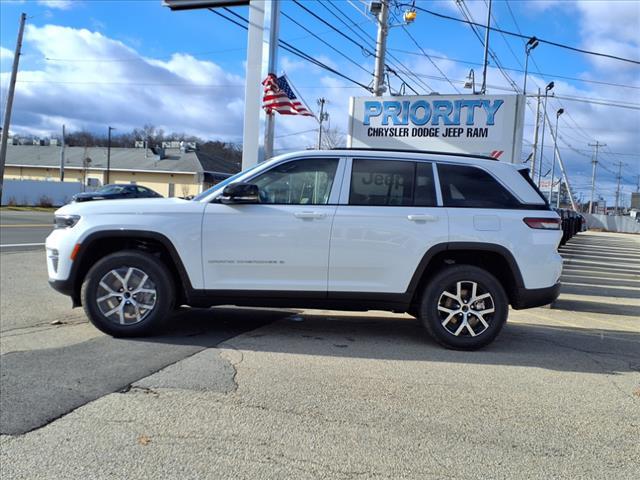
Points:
(65, 221)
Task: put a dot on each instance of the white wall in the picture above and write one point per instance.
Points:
(29, 192)
(612, 223)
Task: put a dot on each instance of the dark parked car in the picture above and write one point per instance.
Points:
(115, 192)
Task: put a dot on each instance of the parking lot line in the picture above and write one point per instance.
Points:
(25, 225)
(22, 245)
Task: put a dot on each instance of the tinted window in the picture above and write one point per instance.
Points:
(381, 182)
(472, 187)
(301, 182)
(425, 192)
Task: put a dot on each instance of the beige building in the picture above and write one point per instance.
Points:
(172, 172)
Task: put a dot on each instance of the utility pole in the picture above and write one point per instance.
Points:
(321, 118)
(7, 111)
(106, 179)
(381, 49)
(620, 165)
(62, 156)
(596, 145)
(535, 138)
(549, 87)
(483, 89)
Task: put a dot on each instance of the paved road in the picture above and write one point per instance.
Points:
(24, 230)
(333, 395)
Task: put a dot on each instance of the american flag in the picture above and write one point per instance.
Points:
(279, 97)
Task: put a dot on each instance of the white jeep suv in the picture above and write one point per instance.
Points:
(449, 238)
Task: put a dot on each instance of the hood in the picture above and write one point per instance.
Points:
(133, 206)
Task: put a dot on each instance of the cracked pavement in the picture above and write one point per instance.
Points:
(318, 394)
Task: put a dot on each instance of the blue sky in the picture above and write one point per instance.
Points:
(92, 63)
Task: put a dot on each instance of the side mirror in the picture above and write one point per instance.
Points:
(240, 193)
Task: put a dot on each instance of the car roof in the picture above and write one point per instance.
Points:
(453, 157)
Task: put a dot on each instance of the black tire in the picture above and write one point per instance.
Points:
(434, 297)
(159, 278)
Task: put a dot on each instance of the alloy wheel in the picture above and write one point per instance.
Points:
(466, 309)
(126, 295)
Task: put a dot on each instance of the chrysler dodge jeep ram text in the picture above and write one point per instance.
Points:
(451, 239)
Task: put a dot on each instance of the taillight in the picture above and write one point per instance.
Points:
(543, 223)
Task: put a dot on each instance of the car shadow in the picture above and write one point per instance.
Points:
(402, 338)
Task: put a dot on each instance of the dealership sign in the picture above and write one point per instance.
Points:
(477, 124)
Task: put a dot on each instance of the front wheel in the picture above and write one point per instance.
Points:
(128, 294)
(464, 307)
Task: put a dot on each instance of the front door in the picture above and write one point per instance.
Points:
(281, 243)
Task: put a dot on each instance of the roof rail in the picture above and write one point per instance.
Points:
(407, 150)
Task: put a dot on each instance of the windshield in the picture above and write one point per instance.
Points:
(225, 182)
(111, 189)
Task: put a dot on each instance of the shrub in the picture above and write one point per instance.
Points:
(45, 201)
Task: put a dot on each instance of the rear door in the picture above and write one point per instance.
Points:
(388, 217)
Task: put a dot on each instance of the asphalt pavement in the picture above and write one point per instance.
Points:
(24, 230)
(268, 393)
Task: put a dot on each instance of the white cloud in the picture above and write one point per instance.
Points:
(59, 4)
(5, 54)
(125, 89)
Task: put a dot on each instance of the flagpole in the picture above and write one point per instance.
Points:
(274, 27)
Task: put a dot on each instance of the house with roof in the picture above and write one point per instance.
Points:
(174, 171)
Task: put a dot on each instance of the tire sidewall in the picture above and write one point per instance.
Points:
(158, 274)
(430, 317)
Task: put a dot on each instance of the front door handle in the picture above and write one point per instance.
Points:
(309, 215)
(422, 218)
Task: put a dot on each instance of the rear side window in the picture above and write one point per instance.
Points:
(525, 174)
(472, 187)
(382, 182)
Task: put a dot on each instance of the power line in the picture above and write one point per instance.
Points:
(291, 49)
(404, 28)
(541, 40)
(395, 59)
(510, 69)
(364, 49)
(284, 14)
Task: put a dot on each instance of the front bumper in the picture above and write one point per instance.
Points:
(535, 297)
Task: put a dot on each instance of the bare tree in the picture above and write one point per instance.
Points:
(333, 138)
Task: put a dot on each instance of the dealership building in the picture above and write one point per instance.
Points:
(174, 171)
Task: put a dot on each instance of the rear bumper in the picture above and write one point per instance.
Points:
(535, 297)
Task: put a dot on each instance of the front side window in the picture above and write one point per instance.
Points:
(382, 182)
(300, 182)
(471, 187)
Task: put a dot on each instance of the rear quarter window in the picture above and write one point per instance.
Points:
(471, 187)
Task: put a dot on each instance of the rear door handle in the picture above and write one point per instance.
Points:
(422, 218)
(309, 215)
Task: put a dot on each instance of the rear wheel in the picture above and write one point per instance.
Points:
(128, 293)
(464, 307)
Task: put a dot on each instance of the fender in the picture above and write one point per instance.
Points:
(459, 246)
(70, 286)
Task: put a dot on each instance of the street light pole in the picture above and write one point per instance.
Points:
(108, 156)
(549, 87)
(553, 164)
(531, 44)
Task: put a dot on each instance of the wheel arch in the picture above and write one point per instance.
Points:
(496, 259)
(101, 243)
